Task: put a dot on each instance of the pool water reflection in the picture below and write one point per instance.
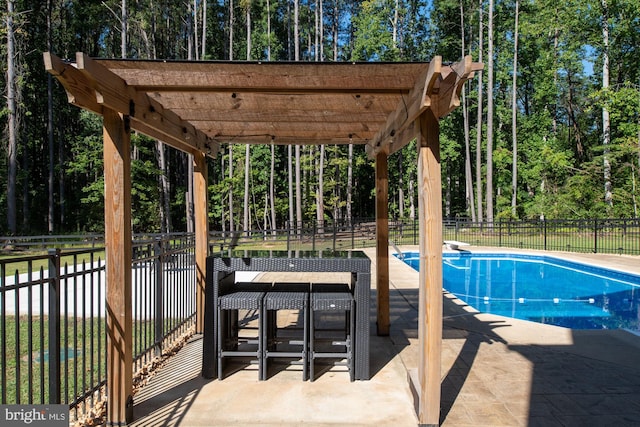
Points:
(542, 289)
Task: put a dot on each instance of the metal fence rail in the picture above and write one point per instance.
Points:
(52, 306)
(53, 325)
(618, 236)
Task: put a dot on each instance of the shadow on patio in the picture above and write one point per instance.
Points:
(496, 371)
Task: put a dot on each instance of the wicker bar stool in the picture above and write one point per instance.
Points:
(245, 297)
(279, 343)
(338, 344)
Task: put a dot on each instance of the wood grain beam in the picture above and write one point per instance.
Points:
(117, 224)
(280, 102)
(200, 179)
(430, 277)
(113, 91)
(409, 109)
(382, 243)
(441, 93)
(266, 76)
(291, 140)
(453, 79)
(91, 86)
(320, 130)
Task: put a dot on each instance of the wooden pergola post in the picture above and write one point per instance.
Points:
(200, 176)
(186, 105)
(117, 224)
(382, 242)
(430, 282)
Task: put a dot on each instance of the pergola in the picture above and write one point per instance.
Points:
(196, 106)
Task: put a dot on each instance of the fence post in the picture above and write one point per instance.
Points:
(544, 228)
(54, 326)
(595, 235)
(313, 235)
(288, 235)
(334, 235)
(500, 233)
(159, 257)
(353, 231)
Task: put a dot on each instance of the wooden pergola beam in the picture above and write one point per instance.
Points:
(91, 86)
(117, 226)
(382, 243)
(195, 106)
(407, 111)
(200, 182)
(430, 276)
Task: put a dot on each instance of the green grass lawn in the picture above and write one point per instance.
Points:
(25, 348)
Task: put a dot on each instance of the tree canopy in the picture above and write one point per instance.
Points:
(567, 149)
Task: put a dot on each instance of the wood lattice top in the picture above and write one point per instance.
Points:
(196, 106)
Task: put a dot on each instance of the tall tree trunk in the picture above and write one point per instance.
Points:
(222, 174)
(203, 43)
(12, 149)
(316, 45)
(269, 35)
(350, 185)
(247, 172)
(231, 226)
(231, 22)
(123, 35)
(50, 134)
(296, 53)
(189, 31)
(606, 122)
(247, 150)
(321, 31)
(298, 192)
(296, 30)
(479, 118)
(248, 19)
(320, 192)
(165, 189)
(335, 27)
(272, 190)
(290, 176)
(490, 117)
(195, 30)
(400, 185)
(394, 25)
(412, 205)
(467, 143)
(556, 37)
(514, 116)
(189, 158)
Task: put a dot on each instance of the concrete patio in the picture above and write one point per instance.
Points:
(496, 371)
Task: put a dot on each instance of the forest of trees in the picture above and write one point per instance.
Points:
(550, 128)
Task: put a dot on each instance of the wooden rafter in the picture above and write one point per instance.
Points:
(195, 106)
(438, 89)
(91, 86)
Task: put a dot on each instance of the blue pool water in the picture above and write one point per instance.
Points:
(542, 289)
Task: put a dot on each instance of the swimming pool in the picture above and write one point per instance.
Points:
(543, 289)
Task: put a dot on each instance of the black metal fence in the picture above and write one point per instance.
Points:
(612, 236)
(617, 236)
(52, 318)
(52, 306)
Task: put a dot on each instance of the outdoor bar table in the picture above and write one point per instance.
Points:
(220, 278)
